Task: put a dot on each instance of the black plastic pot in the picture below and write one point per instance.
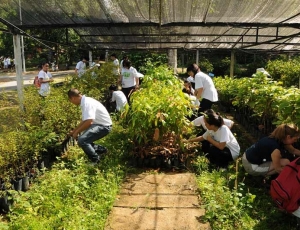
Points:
(133, 162)
(168, 163)
(146, 162)
(25, 183)
(4, 204)
(17, 184)
(153, 162)
(140, 162)
(159, 162)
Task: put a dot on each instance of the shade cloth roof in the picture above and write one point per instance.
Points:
(153, 24)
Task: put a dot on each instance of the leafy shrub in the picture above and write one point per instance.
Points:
(286, 71)
(159, 104)
(224, 208)
(205, 65)
(266, 99)
(73, 195)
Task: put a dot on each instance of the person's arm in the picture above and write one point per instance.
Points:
(196, 139)
(137, 81)
(42, 80)
(276, 156)
(198, 93)
(292, 149)
(120, 79)
(219, 145)
(113, 98)
(81, 127)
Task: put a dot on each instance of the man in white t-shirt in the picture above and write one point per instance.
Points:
(96, 124)
(125, 58)
(45, 78)
(8, 63)
(205, 90)
(116, 70)
(129, 79)
(80, 67)
(119, 97)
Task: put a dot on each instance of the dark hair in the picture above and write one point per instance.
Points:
(188, 91)
(184, 90)
(213, 118)
(74, 93)
(113, 55)
(113, 87)
(126, 64)
(125, 57)
(194, 68)
(44, 63)
(283, 130)
(186, 81)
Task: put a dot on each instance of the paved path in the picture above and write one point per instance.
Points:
(8, 81)
(167, 201)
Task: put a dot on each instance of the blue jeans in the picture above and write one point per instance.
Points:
(93, 133)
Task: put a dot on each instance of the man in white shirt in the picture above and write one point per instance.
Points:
(96, 124)
(80, 67)
(205, 90)
(119, 97)
(116, 69)
(45, 78)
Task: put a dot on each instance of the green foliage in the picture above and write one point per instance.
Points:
(144, 62)
(205, 65)
(44, 121)
(73, 195)
(95, 82)
(159, 104)
(224, 207)
(286, 71)
(265, 98)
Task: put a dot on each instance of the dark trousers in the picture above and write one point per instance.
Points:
(86, 140)
(127, 91)
(204, 105)
(220, 158)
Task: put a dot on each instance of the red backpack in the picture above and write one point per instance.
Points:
(285, 189)
(36, 82)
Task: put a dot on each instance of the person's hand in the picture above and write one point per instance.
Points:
(70, 133)
(51, 80)
(184, 141)
(75, 134)
(278, 169)
(137, 86)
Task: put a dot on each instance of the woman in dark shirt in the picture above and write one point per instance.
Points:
(265, 157)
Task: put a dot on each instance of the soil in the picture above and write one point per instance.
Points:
(166, 201)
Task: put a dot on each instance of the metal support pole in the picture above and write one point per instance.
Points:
(172, 59)
(22, 39)
(232, 60)
(18, 66)
(197, 57)
(23, 54)
(90, 58)
(106, 55)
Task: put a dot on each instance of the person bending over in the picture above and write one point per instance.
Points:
(119, 97)
(96, 124)
(223, 146)
(268, 156)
